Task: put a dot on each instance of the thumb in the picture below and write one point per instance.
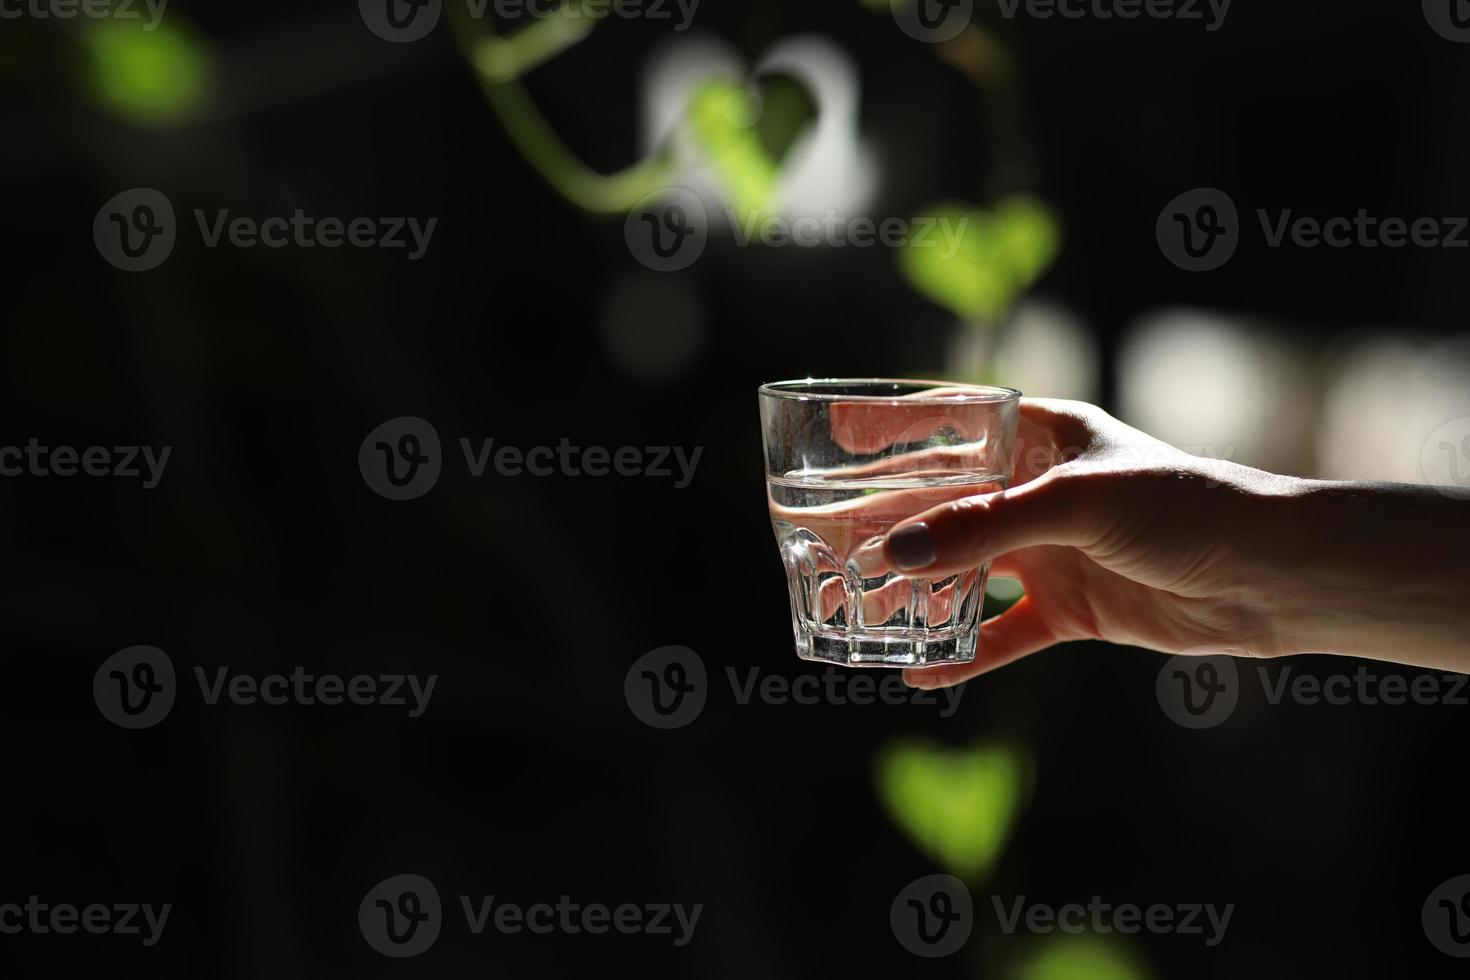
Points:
(964, 533)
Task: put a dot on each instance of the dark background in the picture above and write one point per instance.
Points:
(528, 777)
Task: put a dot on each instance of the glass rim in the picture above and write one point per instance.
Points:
(972, 394)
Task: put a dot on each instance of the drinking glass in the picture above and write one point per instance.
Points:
(846, 460)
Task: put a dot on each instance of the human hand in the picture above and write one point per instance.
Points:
(1116, 535)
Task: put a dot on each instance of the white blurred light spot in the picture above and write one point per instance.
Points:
(1218, 386)
(1004, 589)
(1385, 396)
(828, 169)
(1044, 350)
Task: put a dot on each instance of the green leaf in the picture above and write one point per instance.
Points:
(155, 77)
(958, 806)
(978, 263)
(722, 117)
(1079, 958)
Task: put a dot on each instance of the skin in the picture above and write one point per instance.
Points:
(1118, 536)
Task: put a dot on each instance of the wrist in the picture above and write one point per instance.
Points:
(1369, 570)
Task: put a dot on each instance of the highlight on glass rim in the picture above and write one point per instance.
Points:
(390, 392)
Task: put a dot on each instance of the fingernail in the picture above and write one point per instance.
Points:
(912, 547)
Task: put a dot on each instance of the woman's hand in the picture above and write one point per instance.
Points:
(1118, 536)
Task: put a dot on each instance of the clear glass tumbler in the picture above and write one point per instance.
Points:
(846, 459)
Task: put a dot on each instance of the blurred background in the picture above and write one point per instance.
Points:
(536, 139)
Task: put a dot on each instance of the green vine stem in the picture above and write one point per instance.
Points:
(500, 62)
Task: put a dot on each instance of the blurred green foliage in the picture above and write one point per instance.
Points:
(155, 78)
(1000, 595)
(1000, 254)
(506, 58)
(957, 806)
(1083, 957)
(500, 64)
(723, 116)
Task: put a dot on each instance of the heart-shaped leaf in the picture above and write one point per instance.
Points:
(745, 132)
(1079, 958)
(154, 77)
(958, 806)
(978, 263)
(722, 117)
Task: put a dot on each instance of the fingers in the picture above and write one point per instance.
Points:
(1018, 632)
(879, 604)
(852, 528)
(964, 533)
(971, 457)
(865, 427)
(1052, 426)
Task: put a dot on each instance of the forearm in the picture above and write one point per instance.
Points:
(1372, 570)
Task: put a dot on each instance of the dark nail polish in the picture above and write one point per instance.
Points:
(912, 547)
